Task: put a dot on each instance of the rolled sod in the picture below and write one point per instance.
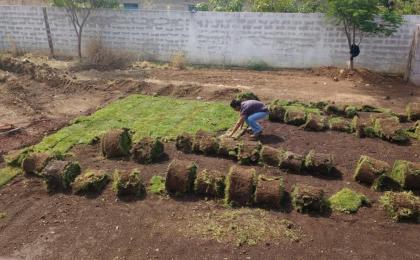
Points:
(362, 127)
(15, 158)
(295, 116)
(180, 177)
(369, 169)
(413, 111)
(210, 183)
(34, 163)
(205, 143)
(340, 124)
(406, 174)
(390, 129)
(315, 123)
(184, 143)
(116, 143)
(334, 109)
(147, 150)
(128, 183)
(270, 156)
(269, 192)
(319, 163)
(240, 186)
(228, 147)
(248, 152)
(350, 111)
(401, 206)
(276, 113)
(291, 161)
(91, 181)
(59, 175)
(306, 199)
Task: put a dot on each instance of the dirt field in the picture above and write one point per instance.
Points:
(64, 226)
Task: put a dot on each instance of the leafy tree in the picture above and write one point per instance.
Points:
(287, 6)
(226, 5)
(79, 12)
(363, 17)
(406, 6)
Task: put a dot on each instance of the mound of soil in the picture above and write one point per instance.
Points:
(315, 123)
(240, 186)
(60, 174)
(91, 181)
(269, 192)
(210, 183)
(291, 161)
(184, 143)
(306, 199)
(128, 183)
(369, 169)
(180, 177)
(319, 163)
(270, 156)
(147, 150)
(413, 111)
(228, 147)
(35, 163)
(249, 152)
(406, 174)
(116, 143)
(401, 206)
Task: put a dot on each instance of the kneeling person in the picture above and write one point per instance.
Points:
(250, 112)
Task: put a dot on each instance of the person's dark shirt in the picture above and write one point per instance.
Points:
(250, 107)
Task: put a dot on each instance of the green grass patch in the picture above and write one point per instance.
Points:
(3, 215)
(144, 115)
(347, 201)
(8, 173)
(157, 185)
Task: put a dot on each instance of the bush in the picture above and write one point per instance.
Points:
(104, 58)
(178, 61)
(202, 7)
(258, 65)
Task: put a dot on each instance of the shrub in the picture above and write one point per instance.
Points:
(178, 61)
(101, 57)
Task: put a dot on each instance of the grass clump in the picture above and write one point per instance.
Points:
(243, 226)
(413, 111)
(406, 174)
(164, 117)
(258, 65)
(3, 215)
(157, 184)
(178, 61)
(91, 181)
(243, 96)
(8, 173)
(347, 201)
(128, 183)
(401, 206)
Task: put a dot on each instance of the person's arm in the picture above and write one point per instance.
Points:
(238, 125)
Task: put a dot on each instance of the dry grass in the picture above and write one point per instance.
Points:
(14, 49)
(178, 61)
(103, 58)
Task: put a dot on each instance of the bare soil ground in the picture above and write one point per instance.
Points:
(64, 226)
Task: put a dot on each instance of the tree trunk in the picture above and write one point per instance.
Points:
(351, 64)
(79, 45)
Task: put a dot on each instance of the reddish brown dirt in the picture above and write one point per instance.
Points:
(68, 226)
(64, 226)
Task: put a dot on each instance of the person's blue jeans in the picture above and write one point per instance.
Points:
(252, 121)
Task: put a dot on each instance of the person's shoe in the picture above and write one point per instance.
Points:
(256, 136)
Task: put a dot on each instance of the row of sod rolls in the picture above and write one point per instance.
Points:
(245, 187)
(249, 152)
(117, 143)
(366, 121)
(381, 176)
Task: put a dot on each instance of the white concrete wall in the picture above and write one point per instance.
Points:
(281, 40)
(415, 63)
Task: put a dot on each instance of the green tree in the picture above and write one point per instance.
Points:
(226, 5)
(288, 6)
(406, 6)
(79, 12)
(363, 17)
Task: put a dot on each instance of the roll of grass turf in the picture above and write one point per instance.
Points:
(269, 192)
(240, 186)
(180, 177)
(60, 174)
(116, 143)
